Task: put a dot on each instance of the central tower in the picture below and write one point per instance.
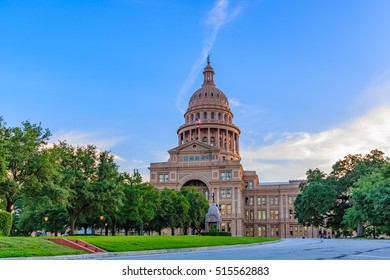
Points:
(208, 155)
(208, 119)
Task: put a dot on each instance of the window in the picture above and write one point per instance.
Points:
(262, 231)
(219, 116)
(228, 193)
(249, 231)
(223, 225)
(205, 115)
(274, 200)
(222, 193)
(196, 157)
(225, 175)
(261, 200)
(275, 231)
(274, 215)
(229, 226)
(223, 209)
(212, 141)
(228, 209)
(186, 158)
(163, 177)
(262, 215)
(212, 115)
(291, 199)
(191, 158)
(249, 214)
(249, 201)
(291, 214)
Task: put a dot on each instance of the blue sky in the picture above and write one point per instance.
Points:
(308, 81)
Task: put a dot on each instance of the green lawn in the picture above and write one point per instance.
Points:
(140, 243)
(32, 247)
(36, 246)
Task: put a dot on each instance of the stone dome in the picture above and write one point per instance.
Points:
(208, 94)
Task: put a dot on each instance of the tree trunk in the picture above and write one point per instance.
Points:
(172, 231)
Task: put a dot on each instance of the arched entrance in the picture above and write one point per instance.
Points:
(200, 185)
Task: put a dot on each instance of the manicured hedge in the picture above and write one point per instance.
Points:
(5, 223)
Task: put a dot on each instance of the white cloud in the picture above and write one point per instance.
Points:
(78, 138)
(218, 16)
(293, 154)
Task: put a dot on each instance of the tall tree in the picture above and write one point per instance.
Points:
(25, 165)
(88, 177)
(326, 198)
(197, 210)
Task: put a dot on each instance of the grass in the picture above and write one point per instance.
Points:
(32, 247)
(36, 246)
(141, 243)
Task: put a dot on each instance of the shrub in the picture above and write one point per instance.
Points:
(5, 223)
(216, 233)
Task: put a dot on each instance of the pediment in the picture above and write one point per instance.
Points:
(194, 146)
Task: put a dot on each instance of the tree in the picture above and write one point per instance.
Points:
(197, 210)
(89, 178)
(25, 166)
(370, 202)
(327, 198)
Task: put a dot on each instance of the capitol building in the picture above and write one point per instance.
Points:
(207, 156)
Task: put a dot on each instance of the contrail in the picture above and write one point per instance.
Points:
(218, 16)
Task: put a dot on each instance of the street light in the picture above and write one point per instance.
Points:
(101, 222)
(45, 219)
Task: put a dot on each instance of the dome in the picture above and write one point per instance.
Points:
(208, 94)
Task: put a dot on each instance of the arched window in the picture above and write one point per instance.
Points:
(212, 115)
(225, 117)
(198, 115)
(192, 117)
(219, 116)
(205, 140)
(205, 115)
(212, 141)
(205, 94)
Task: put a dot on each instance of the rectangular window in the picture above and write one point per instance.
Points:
(196, 157)
(275, 231)
(185, 158)
(291, 199)
(262, 231)
(228, 193)
(262, 215)
(249, 201)
(249, 231)
(291, 214)
(274, 200)
(163, 177)
(261, 200)
(222, 193)
(274, 215)
(228, 209)
(223, 225)
(225, 175)
(229, 226)
(223, 209)
(228, 175)
(191, 158)
(249, 214)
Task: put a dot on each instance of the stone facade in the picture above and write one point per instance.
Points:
(208, 157)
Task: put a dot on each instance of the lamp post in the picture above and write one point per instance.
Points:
(45, 219)
(106, 229)
(101, 224)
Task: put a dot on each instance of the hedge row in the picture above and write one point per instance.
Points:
(5, 223)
